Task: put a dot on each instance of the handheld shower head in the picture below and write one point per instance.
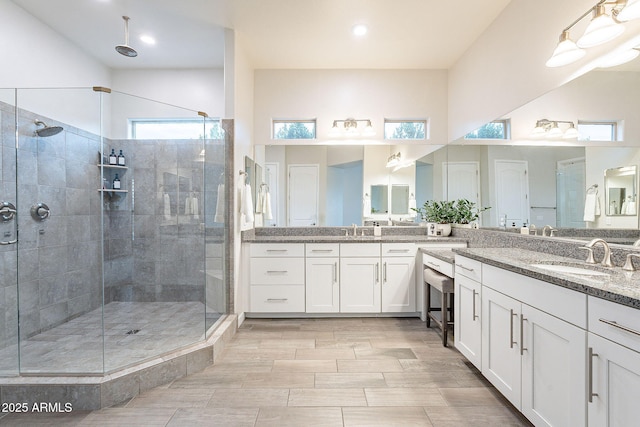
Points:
(125, 49)
(46, 131)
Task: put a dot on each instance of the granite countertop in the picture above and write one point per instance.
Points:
(618, 285)
(446, 255)
(351, 239)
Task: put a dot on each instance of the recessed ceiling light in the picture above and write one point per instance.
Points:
(147, 39)
(359, 30)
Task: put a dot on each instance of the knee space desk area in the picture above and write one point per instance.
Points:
(438, 275)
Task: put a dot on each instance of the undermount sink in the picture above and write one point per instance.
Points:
(570, 269)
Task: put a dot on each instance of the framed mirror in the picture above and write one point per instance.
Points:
(379, 199)
(399, 199)
(620, 191)
(250, 171)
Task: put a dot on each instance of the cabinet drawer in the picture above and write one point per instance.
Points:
(398, 249)
(322, 249)
(619, 323)
(360, 249)
(277, 299)
(438, 265)
(277, 250)
(469, 268)
(277, 271)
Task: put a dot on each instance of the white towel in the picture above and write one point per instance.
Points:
(266, 209)
(623, 209)
(366, 206)
(591, 207)
(195, 210)
(187, 206)
(166, 200)
(247, 204)
(220, 205)
(631, 208)
(412, 206)
(260, 201)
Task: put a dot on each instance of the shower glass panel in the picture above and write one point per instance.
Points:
(8, 227)
(59, 220)
(114, 264)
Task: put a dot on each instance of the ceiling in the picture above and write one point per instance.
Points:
(403, 34)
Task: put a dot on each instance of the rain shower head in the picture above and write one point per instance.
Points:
(46, 131)
(125, 49)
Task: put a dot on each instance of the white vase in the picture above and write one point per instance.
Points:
(443, 230)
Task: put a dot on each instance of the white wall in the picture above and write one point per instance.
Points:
(505, 69)
(329, 95)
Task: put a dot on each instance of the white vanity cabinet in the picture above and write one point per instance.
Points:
(277, 278)
(398, 278)
(360, 278)
(468, 308)
(614, 368)
(533, 343)
(323, 278)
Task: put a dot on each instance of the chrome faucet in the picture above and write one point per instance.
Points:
(606, 260)
(628, 265)
(636, 243)
(355, 230)
(552, 231)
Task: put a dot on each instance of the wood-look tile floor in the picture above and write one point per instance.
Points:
(317, 372)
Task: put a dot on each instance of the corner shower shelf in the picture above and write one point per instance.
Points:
(113, 166)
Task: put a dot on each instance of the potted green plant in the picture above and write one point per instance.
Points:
(438, 216)
(467, 212)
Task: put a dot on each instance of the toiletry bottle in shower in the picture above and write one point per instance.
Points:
(116, 183)
(121, 159)
(113, 159)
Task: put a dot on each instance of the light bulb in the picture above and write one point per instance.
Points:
(565, 52)
(601, 29)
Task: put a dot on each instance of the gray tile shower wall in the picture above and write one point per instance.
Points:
(57, 262)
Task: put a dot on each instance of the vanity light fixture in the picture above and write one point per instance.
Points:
(550, 129)
(618, 58)
(394, 160)
(602, 28)
(349, 127)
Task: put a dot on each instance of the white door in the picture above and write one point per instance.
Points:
(501, 344)
(323, 291)
(616, 383)
(512, 192)
(461, 181)
(360, 285)
(271, 173)
(467, 330)
(303, 195)
(553, 370)
(571, 185)
(398, 285)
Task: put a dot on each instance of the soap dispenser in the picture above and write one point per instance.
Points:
(524, 229)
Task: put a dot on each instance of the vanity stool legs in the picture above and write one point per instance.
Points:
(444, 284)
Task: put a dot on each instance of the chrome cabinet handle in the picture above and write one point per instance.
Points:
(512, 342)
(616, 325)
(335, 272)
(522, 347)
(277, 299)
(398, 251)
(433, 264)
(277, 271)
(384, 272)
(464, 268)
(322, 250)
(590, 380)
(377, 272)
(473, 313)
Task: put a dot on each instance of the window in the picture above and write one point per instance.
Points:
(405, 129)
(175, 129)
(597, 131)
(294, 129)
(497, 129)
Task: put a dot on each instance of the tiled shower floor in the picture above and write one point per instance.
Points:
(77, 346)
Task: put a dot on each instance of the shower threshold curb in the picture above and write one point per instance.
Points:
(91, 392)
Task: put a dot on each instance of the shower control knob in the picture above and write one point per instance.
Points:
(40, 212)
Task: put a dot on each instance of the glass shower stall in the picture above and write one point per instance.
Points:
(106, 263)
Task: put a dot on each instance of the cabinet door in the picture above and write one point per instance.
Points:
(467, 330)
(360, 285)
(323, 291)
(616, 384)
(501, 343)
(553, 367)
(398, 284)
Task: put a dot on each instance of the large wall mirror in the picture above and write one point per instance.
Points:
(620, 190)
(534, 180)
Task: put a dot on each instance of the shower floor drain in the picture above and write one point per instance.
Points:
(133, 331)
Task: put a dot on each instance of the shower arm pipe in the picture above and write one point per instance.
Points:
(126, 30)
